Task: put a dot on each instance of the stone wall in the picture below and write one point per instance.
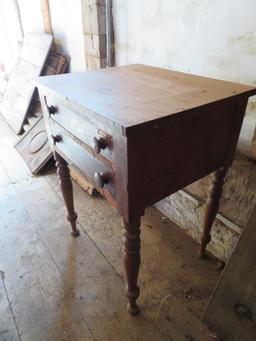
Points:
(186, 207)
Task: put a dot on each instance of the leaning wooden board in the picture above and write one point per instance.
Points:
(20, 89)
(34, 147)
(231, 312)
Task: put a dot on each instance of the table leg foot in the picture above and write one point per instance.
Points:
(211, 209)
(135, 310)
(131, 245)
(67, 191)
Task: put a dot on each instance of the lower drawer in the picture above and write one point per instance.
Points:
(99, 172)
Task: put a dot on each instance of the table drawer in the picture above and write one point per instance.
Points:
(100, 143)
(101, 173)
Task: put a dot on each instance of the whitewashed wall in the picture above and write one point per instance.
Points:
(31, 16)
(212, 38)
(10, 33)
(67, 25)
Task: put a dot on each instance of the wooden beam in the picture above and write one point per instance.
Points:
(98, 33)
(46, 16)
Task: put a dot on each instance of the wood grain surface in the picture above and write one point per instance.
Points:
(136, 94)
(231, 311)
(20, 89)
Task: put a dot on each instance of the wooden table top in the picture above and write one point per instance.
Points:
(136, 94)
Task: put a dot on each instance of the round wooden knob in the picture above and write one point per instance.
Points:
(52, 110)
(56, 139)
(98, 144)
(101, 179)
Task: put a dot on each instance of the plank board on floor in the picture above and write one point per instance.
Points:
(44, 308)
(231, 312)
(8, 329)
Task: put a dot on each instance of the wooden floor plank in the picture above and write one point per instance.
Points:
(167, 267)
(4, 179)
(8, 329)
(44, 308)
(95, 282)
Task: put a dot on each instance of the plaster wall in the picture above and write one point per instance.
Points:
(67, 25)
(31, 16)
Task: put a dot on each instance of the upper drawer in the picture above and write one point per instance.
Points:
(100, 173)
(100, 142)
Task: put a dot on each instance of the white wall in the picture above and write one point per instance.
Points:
(213, 38)
(10, 33)
(67, 25)
(31, 16)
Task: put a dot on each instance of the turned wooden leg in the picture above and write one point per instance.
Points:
(67, 191)
(131, 233)
(211, 208)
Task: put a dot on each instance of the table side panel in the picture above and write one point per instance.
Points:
(183, 151)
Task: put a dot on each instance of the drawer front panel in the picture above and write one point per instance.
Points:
(80, 127)
(82, 159)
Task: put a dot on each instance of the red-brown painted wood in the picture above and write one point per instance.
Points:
(131, 246)
(67, 191)
(211, 208)
(162, 130)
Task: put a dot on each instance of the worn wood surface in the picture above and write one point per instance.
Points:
(190, 130)
(139, 94)
(231, 312)
(65, 289)
(46, 16)
(98, 33)
(20, 89)
(67, 191)
(211, 208)
(34, 147)
(8, 329)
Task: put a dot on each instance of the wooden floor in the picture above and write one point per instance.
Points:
(55, 287)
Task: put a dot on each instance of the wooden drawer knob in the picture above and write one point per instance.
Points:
(52, 110)
(101, 179)
(56, 139)
(98, 144)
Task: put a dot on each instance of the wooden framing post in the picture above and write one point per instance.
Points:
(98, 33)
(46, 16)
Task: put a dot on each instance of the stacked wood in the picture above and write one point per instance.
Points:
(20, 89)
(33, 146)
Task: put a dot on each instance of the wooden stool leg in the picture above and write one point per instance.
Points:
(67, 191)
(211, 208)
(131, 233)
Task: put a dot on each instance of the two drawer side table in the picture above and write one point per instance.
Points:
(141, 133)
